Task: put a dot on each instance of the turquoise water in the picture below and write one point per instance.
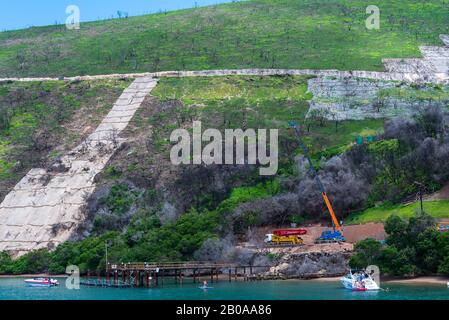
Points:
(15, 289)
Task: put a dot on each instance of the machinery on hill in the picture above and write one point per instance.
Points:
(285, 237)
(329, 236)
(443, 227)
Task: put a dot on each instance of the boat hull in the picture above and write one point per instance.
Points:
(41, 285)
(351, 283)
(41, 282)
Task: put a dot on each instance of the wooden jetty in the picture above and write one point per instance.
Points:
(134, 275)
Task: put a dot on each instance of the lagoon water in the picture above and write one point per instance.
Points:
(15, 289)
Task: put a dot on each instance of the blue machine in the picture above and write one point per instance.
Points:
(331, 236)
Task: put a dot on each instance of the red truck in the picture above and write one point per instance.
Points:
(289, 232)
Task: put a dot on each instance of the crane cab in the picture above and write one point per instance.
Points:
(330, 237)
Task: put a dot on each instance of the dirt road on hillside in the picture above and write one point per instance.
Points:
(353, 234)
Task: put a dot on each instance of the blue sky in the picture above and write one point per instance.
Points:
(18, 14)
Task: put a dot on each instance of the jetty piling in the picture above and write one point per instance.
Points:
(136, 275)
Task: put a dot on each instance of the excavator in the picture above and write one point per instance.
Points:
(328, 236)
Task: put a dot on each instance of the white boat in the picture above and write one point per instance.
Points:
(42, 282)
(359, 281)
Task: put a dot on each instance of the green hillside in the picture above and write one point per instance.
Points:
(318, 34)
(438, 209)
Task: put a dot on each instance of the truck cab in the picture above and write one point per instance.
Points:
(268, 238)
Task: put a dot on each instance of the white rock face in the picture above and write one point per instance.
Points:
(358, 99)
(45, 207)
(433, 67)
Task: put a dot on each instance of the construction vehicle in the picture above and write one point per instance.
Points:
(443, 227)
(285, 237)
(290, 232)
(328, 236)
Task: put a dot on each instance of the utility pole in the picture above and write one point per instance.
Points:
(421, 187)
(106, 246)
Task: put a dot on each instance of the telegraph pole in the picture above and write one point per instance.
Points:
(421, 187)
(106, 246)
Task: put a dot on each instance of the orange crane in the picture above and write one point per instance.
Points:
(327, 236)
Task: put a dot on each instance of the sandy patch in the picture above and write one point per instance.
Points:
(428, 280)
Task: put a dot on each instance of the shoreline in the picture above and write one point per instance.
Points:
(424, 279)
(41, 275)
(416, 280)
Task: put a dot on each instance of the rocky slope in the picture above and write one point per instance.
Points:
(311, 265)
(308, 261)
(46, 206)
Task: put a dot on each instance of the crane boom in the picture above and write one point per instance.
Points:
(317, 178)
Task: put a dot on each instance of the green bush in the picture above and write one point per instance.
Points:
(414, 247)
(367, 253)
(120, 199)
(247, 194)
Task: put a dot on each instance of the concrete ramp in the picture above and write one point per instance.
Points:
(46, 206)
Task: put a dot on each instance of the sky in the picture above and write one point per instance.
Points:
(18, 14)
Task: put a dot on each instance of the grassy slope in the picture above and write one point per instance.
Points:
(220, 102)
(438, 209)
(41, 120)
(260, 102)
(274, 101)
(260, 33)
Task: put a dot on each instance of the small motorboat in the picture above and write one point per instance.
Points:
(42, 282)
(359, 281)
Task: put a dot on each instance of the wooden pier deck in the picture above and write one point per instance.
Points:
(144, 274)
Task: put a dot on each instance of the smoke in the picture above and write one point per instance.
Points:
(272, 210)
(433, 154)
(432, 121)
(406, 130)
(168, 214)
(351, 179)
(225, 251)
(216, 250)
(345, 189)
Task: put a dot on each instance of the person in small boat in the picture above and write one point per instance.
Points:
(205, 284)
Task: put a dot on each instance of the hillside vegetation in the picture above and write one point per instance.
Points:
(413, 247)
(318, 34)
(438, 209)
(146, 209)
(40, 121)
